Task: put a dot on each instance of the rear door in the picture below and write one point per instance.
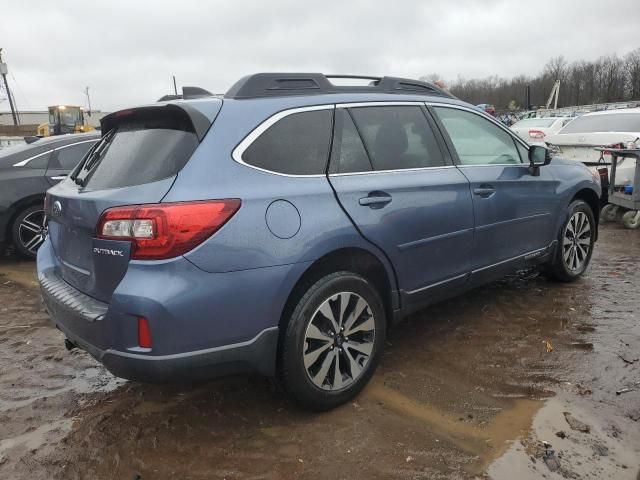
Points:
(64, 159)
(392, 178)
(135, 162)
(514, 210)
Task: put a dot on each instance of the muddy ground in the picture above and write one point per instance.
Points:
(470, 388)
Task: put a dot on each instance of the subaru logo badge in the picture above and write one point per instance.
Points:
(57, 208)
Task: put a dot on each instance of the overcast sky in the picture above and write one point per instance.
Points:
(126, 51)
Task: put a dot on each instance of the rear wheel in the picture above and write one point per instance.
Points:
(28, 231)
(575, 243)
(333, 341)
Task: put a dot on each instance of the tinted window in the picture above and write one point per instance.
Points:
(348, 155)
(296, 145)
(608, 122)
(39, 162)
(476, 139)
(69, 157)
(138, 152)
(397, 137)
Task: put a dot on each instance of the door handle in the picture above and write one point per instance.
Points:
(484, 191)
(375, 200)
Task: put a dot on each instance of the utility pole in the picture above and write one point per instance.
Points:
(175, 88)
(4, 71)
(86, 92)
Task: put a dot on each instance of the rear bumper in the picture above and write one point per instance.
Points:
(217, 339)
(70, 310)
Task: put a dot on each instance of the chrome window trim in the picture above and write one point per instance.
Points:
(22, 163)
(491, 120)
(239, 150)
(399, 170)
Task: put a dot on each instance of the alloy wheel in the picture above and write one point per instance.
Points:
(339, 341)
(576, 241)
(32, 231)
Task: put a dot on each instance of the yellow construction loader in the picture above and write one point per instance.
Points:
(64, 119)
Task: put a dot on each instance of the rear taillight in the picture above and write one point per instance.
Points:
(165, 230)
(537, 134)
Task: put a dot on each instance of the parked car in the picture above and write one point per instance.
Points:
(26, 172)
(578, 139)
(488, 108)
(283, 228)
(535, 130)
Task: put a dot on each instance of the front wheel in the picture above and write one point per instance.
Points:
(575, 243)
(333, 341)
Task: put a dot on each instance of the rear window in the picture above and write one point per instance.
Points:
(534, 122)
(139, 151)
(609, 122)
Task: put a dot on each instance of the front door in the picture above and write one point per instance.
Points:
(513, 208)
(403, 194)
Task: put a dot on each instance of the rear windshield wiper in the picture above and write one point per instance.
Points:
(93, 159)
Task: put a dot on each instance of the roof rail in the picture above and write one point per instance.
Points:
(261, 85)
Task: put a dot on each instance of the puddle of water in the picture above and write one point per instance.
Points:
(487, 442)
(598, 454)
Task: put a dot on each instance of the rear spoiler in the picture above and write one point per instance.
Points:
(199, 121)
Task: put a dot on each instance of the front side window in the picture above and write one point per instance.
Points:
(397, 137)
(298, 144)
(476, 139)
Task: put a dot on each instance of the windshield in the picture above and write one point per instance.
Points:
(609, 122)
(70, 116)
(534, 123)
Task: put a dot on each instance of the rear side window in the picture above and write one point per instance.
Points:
(477, 140)
(67, 158)
(298, 144)
(139, 151)
(348, 154)
(397, 137)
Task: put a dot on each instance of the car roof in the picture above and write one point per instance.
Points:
(611, 112)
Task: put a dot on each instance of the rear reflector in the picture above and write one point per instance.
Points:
(144, 333)
(165, 230)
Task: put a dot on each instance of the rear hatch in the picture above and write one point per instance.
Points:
(136, 162)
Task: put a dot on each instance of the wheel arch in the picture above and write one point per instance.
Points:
(354, 259)
(593, 200)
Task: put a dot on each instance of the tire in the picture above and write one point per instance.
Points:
(572, 257)
(608, 212)
(28, 231)
(311, 348)
(631, 219)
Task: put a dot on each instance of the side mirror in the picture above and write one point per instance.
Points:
(538, 156)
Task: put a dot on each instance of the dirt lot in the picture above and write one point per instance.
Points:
(467, 389)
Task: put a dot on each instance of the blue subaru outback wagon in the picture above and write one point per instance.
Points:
(282, 228)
